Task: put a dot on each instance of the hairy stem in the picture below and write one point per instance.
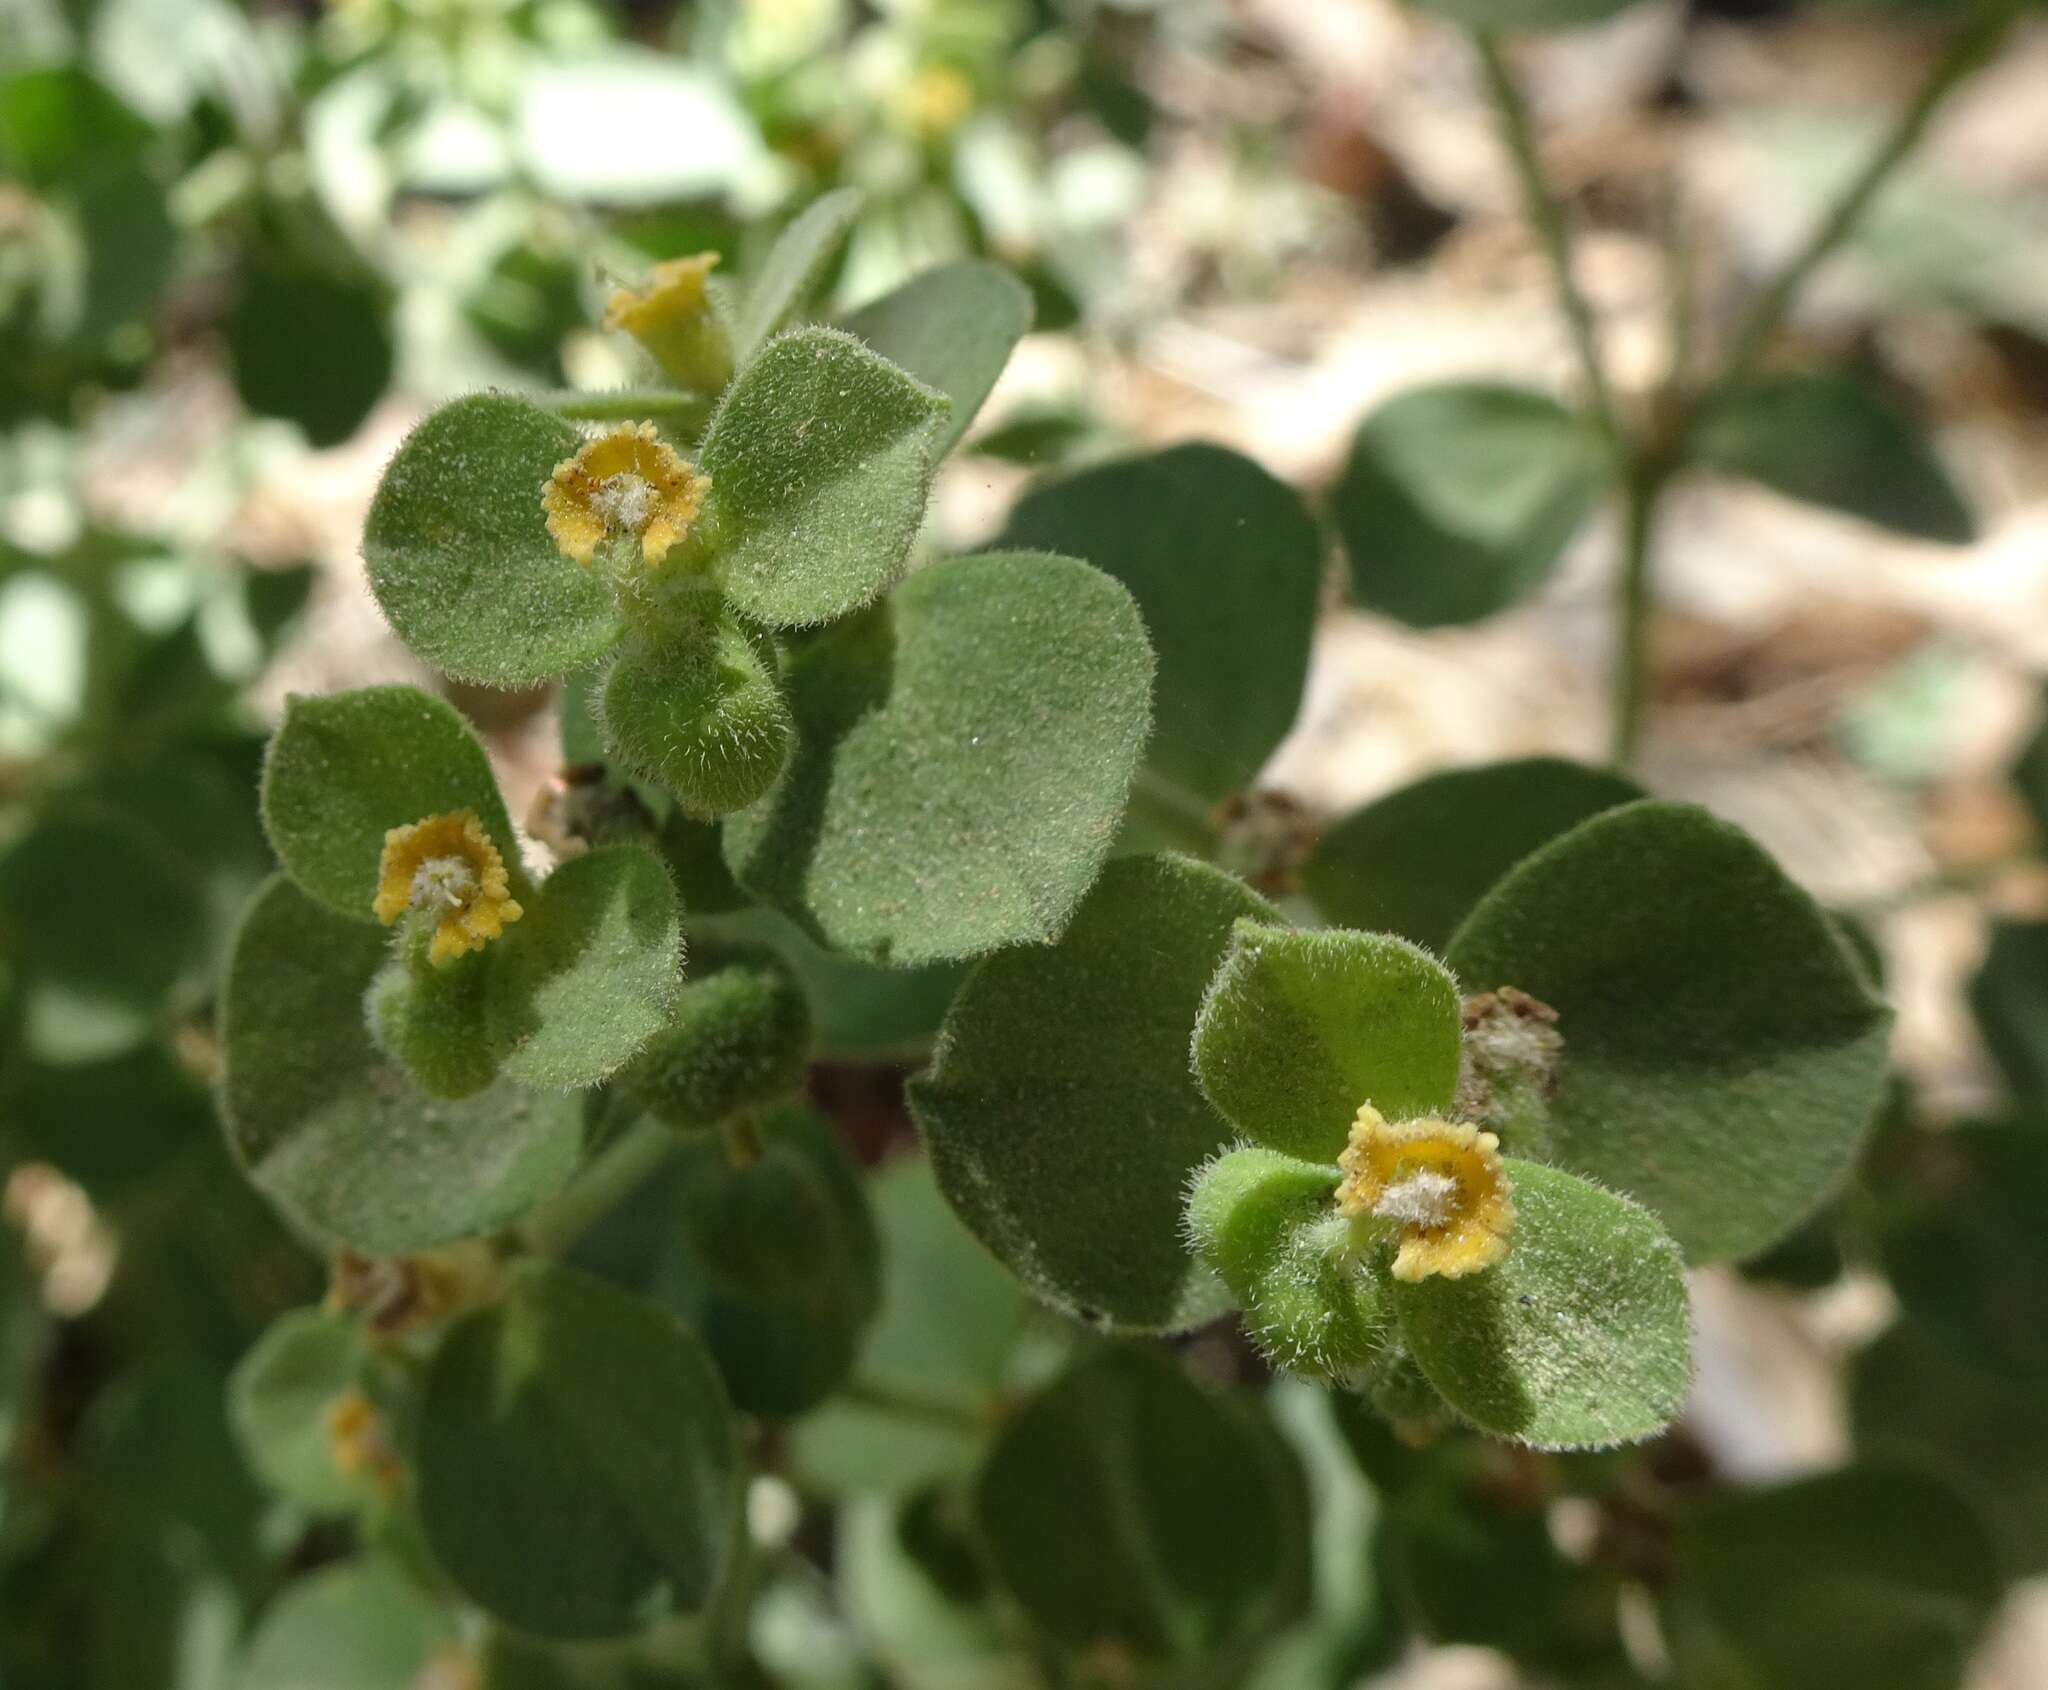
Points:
(1968, 50)
(1546, 217)
(1640, 496)
(614, 1174)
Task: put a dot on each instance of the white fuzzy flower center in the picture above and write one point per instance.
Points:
(442, 883)
(625, 501)
(1424, 1199)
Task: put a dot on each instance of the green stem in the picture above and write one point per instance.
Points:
(1640, 496)
(683, 413)
(1546, 217)
(616, 1172)
(1967, 51)
(909, 1403)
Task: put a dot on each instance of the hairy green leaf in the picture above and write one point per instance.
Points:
(334, 1134)
(796, 268)
(1129, 1510)
(739, 1037)
(964, 755)
(1832, 440)
(578, 1471)
(1458, 500)
(1298, 1029)
(361, 1625)
(279, 1400)
(459, 552)
(1578, 1340)
(344, 769)
(699, 711)
(1226, 565)
(776, 1263)
(1417, 860)
(1881, 1573)
(1060, 1112)
(2010, 997)
(590, 975)
(1722, 1056)
(820, 463)
(953, 328)
(1269, 1227)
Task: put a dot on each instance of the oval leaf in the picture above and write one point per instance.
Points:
(1226, 565)
(821, 464)
(1456, 501)
(590, 974)
(1722, 1056)
(578, 1472)
(459, 553)
(359, 1626)
(1130, 1511)
(953, 328)
(795, 269)
(1829, 440)
(1417, 860)
(337, 1136)
(1298, 1029)
(343, 769)
(1578, 1340)
(963, 758)
(1060, 1113)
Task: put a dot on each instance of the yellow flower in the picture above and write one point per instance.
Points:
(1441, 1181)
(358, 1444)
(624, 482)
(447, 867)
(672, 316)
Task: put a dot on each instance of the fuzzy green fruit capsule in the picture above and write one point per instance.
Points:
(429, 1019)
(1313, 1297)
(699, 709)
(741, 1037)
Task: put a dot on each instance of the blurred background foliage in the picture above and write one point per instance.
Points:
(242, 246)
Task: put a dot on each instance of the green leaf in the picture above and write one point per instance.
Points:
(953, 328)
(1417, 860)
(1298, 1029)
(344, 769)
(1833, 441)
(335, 1135)
(358, 1626)
(964, 755)
(279, 1400)
(1130, 1511)
(796, 268)
(580, 985)
(1722, 1055)
(1909, 1394)
(1061, 1116)
(1879, 1574)
(1524, 14)
(1268, 1225)
(776, 1263)
(1457, 501)
(578, 1471)
(1578, 1340)
(1969, 1257)
(821, 464)
(310, 346)
(99, 925)
(862, 1013)
(949, 1324)
(1226, 565)
(459, 553)
(699, 711)
(739, 1037)
(2009, 997)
